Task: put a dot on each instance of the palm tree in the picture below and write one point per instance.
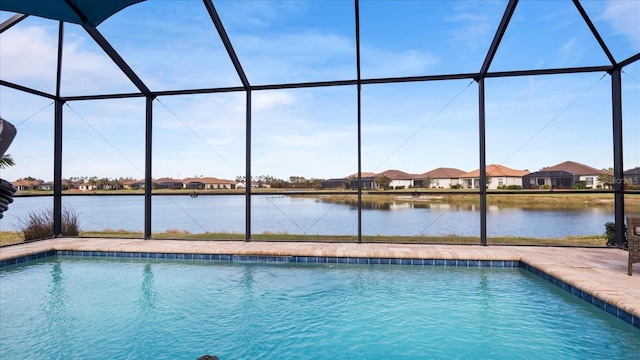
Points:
(6, 161)
(383, 181)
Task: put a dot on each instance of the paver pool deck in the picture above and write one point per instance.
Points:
(600, 272)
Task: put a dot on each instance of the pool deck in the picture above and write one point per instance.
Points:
(600, 272)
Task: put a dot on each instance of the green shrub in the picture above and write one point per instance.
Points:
(39, 224)
(610, 235)
(579, 185)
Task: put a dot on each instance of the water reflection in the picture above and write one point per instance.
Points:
(56, 312)
(403, 205)
(148, 298)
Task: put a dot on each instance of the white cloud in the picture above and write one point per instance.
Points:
(259, 15)
(475, 27)
(296, 57)
(264, 100)
(28, 56)
(382, 63)
(569, 50)
(624, 17)
(90, 70)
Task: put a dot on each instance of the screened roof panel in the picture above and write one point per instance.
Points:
(174, 45)
(631, 114)
(545, 35)
(171, 45)
(287, 41)
(426, 37)
(28, 53)
(87, 69)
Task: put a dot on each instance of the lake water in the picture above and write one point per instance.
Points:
(312, 216)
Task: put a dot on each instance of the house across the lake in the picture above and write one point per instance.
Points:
(498, 176)
(208, 183)
(632, 176)
(436, 178)
(560, 176)
(26, 185)
(399, 179)
(563, 176)
(440, 178)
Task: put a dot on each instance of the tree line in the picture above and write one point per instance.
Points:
(274, 182)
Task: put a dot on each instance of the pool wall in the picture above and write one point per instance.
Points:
(600, 303)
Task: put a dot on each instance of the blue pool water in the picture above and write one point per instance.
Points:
(95, 308)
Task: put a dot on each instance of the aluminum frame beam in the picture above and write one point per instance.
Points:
(7, 24)
(118, 60)
(353, 82)
(57, 142)
(27, 90)
(227, 43)
(594, 31)
(359, 117)
(247, 200)
(148, 157)
(618, 164)
(502, 28)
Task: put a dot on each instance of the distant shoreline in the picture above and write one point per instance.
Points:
(530, 198)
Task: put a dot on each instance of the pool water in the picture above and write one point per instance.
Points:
(78, 308)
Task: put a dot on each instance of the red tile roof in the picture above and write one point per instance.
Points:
(207, 180)
(397, 175)
(165, 180)
(574, 168)
(496, 170)
(131, 182)
(364, 175)
(443, 173)
(632, 172)
(27, 183)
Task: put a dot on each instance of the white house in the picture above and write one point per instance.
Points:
(399, 179)
(497, 176)
(563, 175)
(440, 178)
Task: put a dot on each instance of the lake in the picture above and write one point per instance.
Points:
(312, 216)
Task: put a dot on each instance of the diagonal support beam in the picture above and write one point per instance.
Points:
(77, 10)
(629, 60)
(118, 60)
(506, 17)
(227, 43)
(594, 31)
(26, 89)
(11, 21)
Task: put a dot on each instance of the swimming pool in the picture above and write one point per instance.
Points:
(79, 307)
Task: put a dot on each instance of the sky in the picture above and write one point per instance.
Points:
(531, 121)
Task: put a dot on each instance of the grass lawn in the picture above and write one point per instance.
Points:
(10, 237)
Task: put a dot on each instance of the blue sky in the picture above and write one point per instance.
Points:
(532, 122)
